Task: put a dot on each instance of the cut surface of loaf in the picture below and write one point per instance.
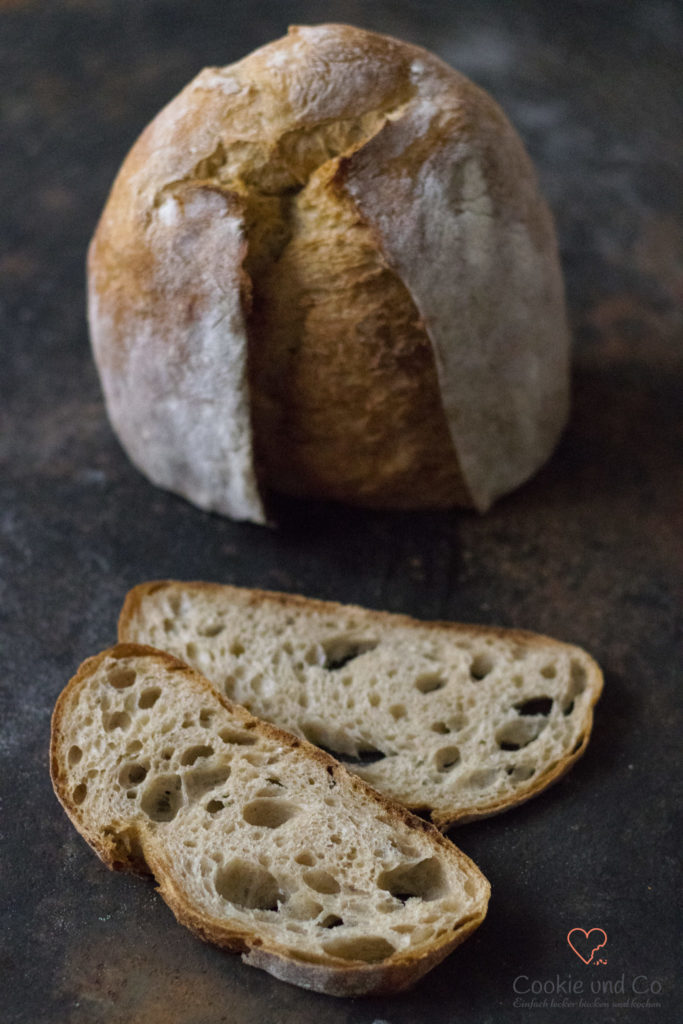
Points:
(459, 721)
(327, 269)
(259, 842)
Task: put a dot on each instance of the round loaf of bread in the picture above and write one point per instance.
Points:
(326, 270)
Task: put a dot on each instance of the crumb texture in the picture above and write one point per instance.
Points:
(258, 841)
(461, 721)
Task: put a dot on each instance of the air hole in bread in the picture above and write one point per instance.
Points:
(79, 794)
(256, 758)
(369, 949)
(248, 885)
(429, 682)
(268, 813)
(321, 881)
(374, 700)
(303, 907)
(74, 756)
(132, 774)
(117, 720)
(569, 708)
(210, 629)
(482, 778)
(256, 684)
(397, 711)
(305, 858)
(446, 758)
(425, 880)
(313, 655)
(440, 727)
(578, 677)
(519, 733)
(535, 706)
(162, 798)
(202, 780)
(206, 717)
(237, 648)
(339, 651)
(213, 806)
(149, 697)
(193, 754)
(121, 677)
(520, 772)
(238, 739)
(481, 665)
(331, 921)
(169, 625)
(368, 755)
(549, 671)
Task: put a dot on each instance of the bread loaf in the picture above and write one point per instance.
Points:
(327, 270)
(456, 721)
(259, 842)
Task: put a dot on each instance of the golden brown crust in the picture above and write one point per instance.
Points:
(442, 820)
(406, 346)
(325, 973)
(344, 388)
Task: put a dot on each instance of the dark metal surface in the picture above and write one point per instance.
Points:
(591, 551)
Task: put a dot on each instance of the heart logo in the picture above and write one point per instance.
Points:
(586, 943)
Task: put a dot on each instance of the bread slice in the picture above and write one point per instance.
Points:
(457, 721)
(259, 842)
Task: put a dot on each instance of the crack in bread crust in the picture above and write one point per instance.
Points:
(382, 307)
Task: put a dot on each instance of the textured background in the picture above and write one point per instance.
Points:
(590, 551)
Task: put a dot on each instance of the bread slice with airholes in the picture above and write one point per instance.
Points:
(457, 721)
(259, 841)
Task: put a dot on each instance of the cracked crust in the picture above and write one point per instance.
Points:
(326, 269)
(88, 778)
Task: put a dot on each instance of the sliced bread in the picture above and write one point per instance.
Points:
(456, 721)
(259, 842)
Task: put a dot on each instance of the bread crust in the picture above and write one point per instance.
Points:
(441, 819)
(325, 973)
(426, 364)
